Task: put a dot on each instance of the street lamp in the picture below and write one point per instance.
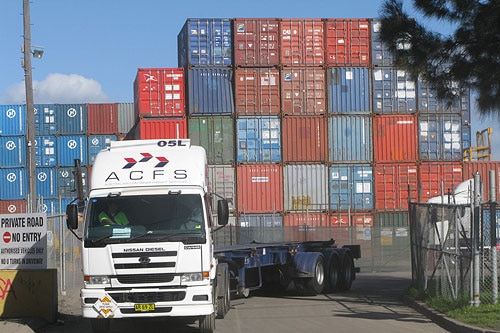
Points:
(37, 52)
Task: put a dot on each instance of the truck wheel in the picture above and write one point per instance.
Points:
(100, 325)
(347, 273)
(316, 284)
(332, 274)
(207, 323)
(224, 302)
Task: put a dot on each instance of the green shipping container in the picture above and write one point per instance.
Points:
(216, 135)
(391, 219)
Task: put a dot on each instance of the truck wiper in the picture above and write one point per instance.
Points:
(101, 239)
(186, 237)
(139, 236)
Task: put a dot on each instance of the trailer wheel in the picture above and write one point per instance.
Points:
(316, 284)
(100, 325)
(347, 273)
(332, 274)
(207, 323)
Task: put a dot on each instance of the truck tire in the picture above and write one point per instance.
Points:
(100, 325)
(347, 273)
(314, 285)
(207, 323)
(333, 272)
(223, 294)
(224, 302)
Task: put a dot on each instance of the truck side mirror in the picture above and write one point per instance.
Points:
(222, 212)
(72, 216)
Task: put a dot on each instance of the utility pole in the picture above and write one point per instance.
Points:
(30, 116)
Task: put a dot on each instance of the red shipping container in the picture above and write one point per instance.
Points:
(159, 128)
(358, 219)
(159, 92)
(13, 206)
(303, 91)
(304, 139)
(484, 168)
(102, 118)
(260, 188)
(395, 138)
(257, 91)
(392, 182)
(347, 42)
(436, 178)
(302, 42)
(256, 42)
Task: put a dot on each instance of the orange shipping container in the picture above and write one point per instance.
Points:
(484, 168)
(102, 118)
(358, 219)
(256, 42)
(302, 42)
(303, 91)
(436, 178)
(260, 188)
(347, 42)
(395, 138)
(13, 206)
(304, 139)
(392, 181)
(159, 128)
(257, 91)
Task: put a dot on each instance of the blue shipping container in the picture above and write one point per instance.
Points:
(429, 103)
(66, 181)
(45, 151)
(14, 184)
(12, 120)
(440, 137)
(466, 136)
(71, 119)
(348, 90)
(71, 147)
(205, 42)
(12, 151)
(46, 182)
(351, 187)
(350, 138)
(45, 119)
(259, 139)
(393, 91)
(210, 91)
(381, 56)
(96, 143)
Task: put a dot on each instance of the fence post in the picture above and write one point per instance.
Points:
(475, 241)
(493, 237)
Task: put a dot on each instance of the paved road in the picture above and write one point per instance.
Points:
(373, 305)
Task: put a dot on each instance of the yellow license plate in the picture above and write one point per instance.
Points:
(144, 307)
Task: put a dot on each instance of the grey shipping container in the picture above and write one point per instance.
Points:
(305, 187)
(350, 138)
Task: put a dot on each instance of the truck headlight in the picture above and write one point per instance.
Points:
(191, 277)
(97, 279)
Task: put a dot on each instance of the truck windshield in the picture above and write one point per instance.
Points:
(145, 218)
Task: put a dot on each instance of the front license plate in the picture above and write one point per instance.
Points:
(144, 307)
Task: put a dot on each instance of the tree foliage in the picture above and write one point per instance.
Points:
(468, 58)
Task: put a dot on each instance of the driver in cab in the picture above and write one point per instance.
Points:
(112, 215)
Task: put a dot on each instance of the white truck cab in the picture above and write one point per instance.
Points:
(147, 243)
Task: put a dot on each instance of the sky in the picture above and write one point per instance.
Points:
(93, 48)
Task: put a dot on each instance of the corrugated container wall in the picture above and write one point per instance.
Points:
(14, 184)
(45, 119)
(259, 188)
(304, 139)
(126, 117)
(347, 42)
(96, 143)
(305, 187)
(102, 118)
(12, 120)
(381, 56)
(260, 228)
(351, 187)
(71, 147)
(205, 42)
(71, 119)
(12, 151)
(159, 92)
(392, 219)
(394, 92)
(222, 180)
(216, 135)
(257, 91)
(66, 181)
(358, 219)
(159, 128)
(303, 91)
(46, 182)
(210, 91)
(350, 138)
(13, 206)
(440, 137)
(305, 226)
(258, 139)
(348, 90)
(466, 136)
(387, 133)
(437, 178)
(45, 151)
(392, 183)
(256, 42)
(302, 42)
(484, 168)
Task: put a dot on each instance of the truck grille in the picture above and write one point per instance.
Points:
(148, 297)
(145, 278)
